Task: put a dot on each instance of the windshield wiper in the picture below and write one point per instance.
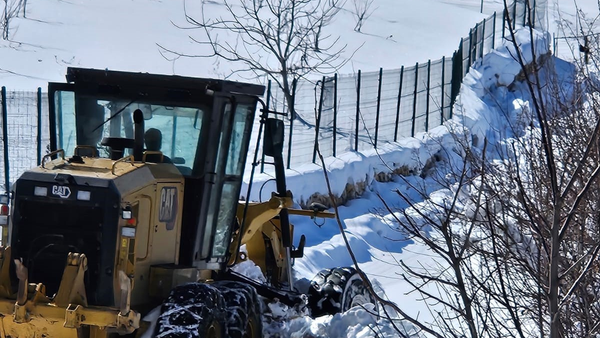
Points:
(115, 114)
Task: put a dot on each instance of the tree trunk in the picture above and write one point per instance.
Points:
(289, 97)
(555, 326)
(6, 21)
(465, 298)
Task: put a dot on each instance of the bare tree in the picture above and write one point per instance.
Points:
(282, 39)
(10, 10)
(24, 6)
(517, 232)
(362, 11)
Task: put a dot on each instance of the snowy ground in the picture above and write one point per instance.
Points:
(123, 35)
(373, 236)
(61, 33)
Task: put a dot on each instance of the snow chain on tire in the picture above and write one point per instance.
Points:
(194, 310)
(243, 309)
(337, 290)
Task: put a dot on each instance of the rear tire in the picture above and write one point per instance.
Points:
(338, 290)
(243, 310)
(194, 310)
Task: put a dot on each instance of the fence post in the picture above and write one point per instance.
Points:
(318, 120)
(398, 105)
(455, 82)
(335, 82)
(533, 15)
(292, 118)
(378, 106)
(474, 43)
(428, 92)
(494, 32)
(504, 12)
(482, 38)
(262, 162)
(39, 126)
(5, 139)
(443, 89)
(357, 112)
(414, 116)
(470, 45)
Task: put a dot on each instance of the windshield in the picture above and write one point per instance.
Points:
(173, 130)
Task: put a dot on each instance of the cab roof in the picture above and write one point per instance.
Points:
(114, 82)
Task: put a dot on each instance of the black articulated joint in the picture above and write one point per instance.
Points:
(289, 298)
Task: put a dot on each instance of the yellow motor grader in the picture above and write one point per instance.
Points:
(136, 207)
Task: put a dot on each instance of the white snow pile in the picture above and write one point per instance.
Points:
(373, 236)
(84, 33)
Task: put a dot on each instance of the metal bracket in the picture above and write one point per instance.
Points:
(276, 249)
(72, 286)
(21, 315)
(72, 316)
(129, 322)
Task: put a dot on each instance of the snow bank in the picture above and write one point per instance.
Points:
(356, 171)
(373, 236)
(496, 72)
(408, 156)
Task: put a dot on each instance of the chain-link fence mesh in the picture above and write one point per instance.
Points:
(533, 13)
(360, 111)
(344, 113)
(27, 132)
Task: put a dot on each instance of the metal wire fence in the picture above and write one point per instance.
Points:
(343, 113)
(532, 13)
(25, 132)
(361, 111)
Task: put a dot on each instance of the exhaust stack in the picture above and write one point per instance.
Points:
(138, 122)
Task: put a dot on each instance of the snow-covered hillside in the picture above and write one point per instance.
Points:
(373, 233)
(123, 35)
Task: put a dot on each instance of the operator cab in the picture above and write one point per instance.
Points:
(122, 132)
(204, 127)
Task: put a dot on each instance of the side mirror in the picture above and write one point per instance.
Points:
(273, 141)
